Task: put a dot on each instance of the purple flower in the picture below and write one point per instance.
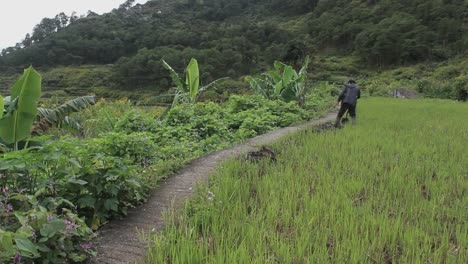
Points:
(5, 191)
(70, 225)
(50, 217)
(87, 245)
(9, 208)
(17, 258)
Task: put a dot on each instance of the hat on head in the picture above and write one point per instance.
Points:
(352, 81)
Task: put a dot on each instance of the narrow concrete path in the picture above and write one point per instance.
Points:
(119, 240)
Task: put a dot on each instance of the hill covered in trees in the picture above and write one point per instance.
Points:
(238, 37)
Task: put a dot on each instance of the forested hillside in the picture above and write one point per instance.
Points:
(238, 37)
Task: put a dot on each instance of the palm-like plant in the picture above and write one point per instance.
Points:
(60, 115)
(187, 91)
(19, 111)
(282, 83)
(17, 121)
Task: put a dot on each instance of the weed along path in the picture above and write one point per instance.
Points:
(119, 241)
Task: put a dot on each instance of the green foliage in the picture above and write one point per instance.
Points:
(135, 121)
(102, 177)
(101, 118)
(85, 182)
(16, 124)
(329, 189)
(34, 231)
(434, 80)
(282, 83)
(2, 104)
(60, 114)
(239, 37)
(187, 91)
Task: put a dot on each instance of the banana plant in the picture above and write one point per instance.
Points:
(16, 123)
(282, 83)
(187, 91)
(60, 114)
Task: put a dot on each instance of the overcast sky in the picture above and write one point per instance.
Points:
(18, 17)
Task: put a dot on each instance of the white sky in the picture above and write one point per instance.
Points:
(18, 17)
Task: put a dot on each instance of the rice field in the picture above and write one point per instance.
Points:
(392, 189)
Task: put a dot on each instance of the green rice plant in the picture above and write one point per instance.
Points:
(390, 189)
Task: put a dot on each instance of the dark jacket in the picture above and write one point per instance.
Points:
(350, 94)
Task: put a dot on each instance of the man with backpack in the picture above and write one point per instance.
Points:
(348, 99)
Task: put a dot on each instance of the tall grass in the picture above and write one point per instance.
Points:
(393, 188)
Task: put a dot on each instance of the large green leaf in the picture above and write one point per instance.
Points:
(288, 75)
(27, 90)
(59, 115)
(2, 104)
(6, 244)
(181, 86)
(259, 86)
(211, 84)
(303, 70)
(26, 247)
(193, 79)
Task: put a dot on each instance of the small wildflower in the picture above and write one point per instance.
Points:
(33, 234)
(87, 245)
(5, 191)
(50, 217)
(210, 196)
(17, 258)
(9, 208)
(70, 225)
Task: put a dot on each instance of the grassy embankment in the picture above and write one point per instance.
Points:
(391, 189)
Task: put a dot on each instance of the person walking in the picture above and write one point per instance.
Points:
(348, 99)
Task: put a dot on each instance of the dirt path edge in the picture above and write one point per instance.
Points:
(119, 240)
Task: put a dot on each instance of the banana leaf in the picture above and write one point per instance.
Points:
(2, 105)
(27, 90)
(60, 115)
(259, 88)
(193, 79)
(305, 65)
(175, 77)
(212, 84)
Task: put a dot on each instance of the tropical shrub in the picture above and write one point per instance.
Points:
(41, 232)
(101, 177)
(60, 115)
(187, 91)
(282, 83)
(17, 121)
(135, 121)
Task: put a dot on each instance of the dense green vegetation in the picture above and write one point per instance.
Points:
(67, 168)
(56, 188)
(388, 190)
(235, 38)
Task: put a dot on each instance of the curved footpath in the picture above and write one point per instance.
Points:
(119, 240)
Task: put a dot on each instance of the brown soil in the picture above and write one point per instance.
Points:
(119, 241)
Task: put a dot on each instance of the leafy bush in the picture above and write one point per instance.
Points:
(101, 177)
(239, 103)
(35, 231)
(86, 182)
(135, 121)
